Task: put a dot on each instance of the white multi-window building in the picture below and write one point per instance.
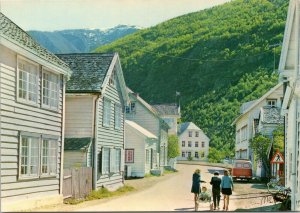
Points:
(193, 142)
(247, 123)
(290, 75)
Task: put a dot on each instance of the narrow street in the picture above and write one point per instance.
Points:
(173, 194)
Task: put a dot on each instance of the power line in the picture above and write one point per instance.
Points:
(199, 60)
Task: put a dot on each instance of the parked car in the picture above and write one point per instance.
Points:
(242, 169)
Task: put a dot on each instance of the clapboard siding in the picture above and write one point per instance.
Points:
(19, 117)
(109, 136)
(135, 141)
(75, 159)
(79, 116)
(144, 118)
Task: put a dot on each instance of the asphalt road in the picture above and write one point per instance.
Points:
(172, 194)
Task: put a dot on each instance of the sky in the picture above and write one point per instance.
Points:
(50, 15)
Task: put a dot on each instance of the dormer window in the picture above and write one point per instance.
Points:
(271, 102)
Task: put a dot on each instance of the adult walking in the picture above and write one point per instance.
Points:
(227, 188)
(216, 182)
(196, 186)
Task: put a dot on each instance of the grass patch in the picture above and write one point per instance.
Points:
(100, 194)
(167, 171)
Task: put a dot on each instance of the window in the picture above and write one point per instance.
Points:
(147, 156)
(29, 155)
(196, 155)
(202, 155)
(246, 165)
(197, 134)
(129, 156)
(189, 143)
(38, 155)
(117, 116)
(50, 90)
(239, 165)
(271, 102)
(190, 133)
(203, 144)
(112, 80)
(115, 160)
(189, 154)
(183, 154)
(130, 108)
(244, 133)
(183, 143)
(105, 160)
(196, 144)
(49, 157)
(106, 112)
(28, 81)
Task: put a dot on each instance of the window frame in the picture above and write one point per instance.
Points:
(21, 59)
(202, 144)
(46, 70)
(190, 144)
(40, 138)
(182, 143)
(196, 155)
(270, 101)
(183, 154)
(190, 133)
(51, 139)
(196, 144)
(117, 120)
(103, 165)
(126, 155)
(197, 134)
(106, 123)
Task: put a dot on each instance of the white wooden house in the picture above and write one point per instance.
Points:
(289, 75)
(146, 116)
(32, 105)
(95, 101)
(193, 142)
(247, 122)
(170, 113)
(140, 149)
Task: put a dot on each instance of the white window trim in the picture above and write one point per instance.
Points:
(126, 155)
(39, 170)
(58, 89)
(109, 115)
(53, 139)
(118, 120)
(102, 158)
(22, 100)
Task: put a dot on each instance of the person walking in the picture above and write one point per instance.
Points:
(216, 182)
(196, 187)
(227, 188)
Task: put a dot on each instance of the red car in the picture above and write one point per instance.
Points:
(242, 169)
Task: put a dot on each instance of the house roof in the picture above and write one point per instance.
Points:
(167, 109)
(89, 70)
(140, 129)
(77, 143)
(14, 34)
(271, 115)
(255, 103)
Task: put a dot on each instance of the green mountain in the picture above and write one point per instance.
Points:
(216, 58)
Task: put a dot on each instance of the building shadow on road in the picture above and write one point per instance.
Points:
(270, 208)
(185, 209)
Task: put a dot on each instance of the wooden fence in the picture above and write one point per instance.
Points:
(77, 182)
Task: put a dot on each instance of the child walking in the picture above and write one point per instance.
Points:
(216, 182)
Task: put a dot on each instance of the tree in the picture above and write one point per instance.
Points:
(260, 145)
(278, 138)
(173, 147)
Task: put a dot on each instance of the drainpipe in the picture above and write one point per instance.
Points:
(95, 165)
(62, 136)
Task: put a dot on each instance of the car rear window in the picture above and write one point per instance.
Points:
(239, 165)
(246, 165)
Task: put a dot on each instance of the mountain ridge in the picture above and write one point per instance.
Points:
(80, 40)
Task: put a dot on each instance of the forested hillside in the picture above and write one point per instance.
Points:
(217, 58)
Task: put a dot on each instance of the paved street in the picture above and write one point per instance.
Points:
(172, 194)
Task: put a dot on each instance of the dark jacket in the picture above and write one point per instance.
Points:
(196, 183)
(215, 182)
